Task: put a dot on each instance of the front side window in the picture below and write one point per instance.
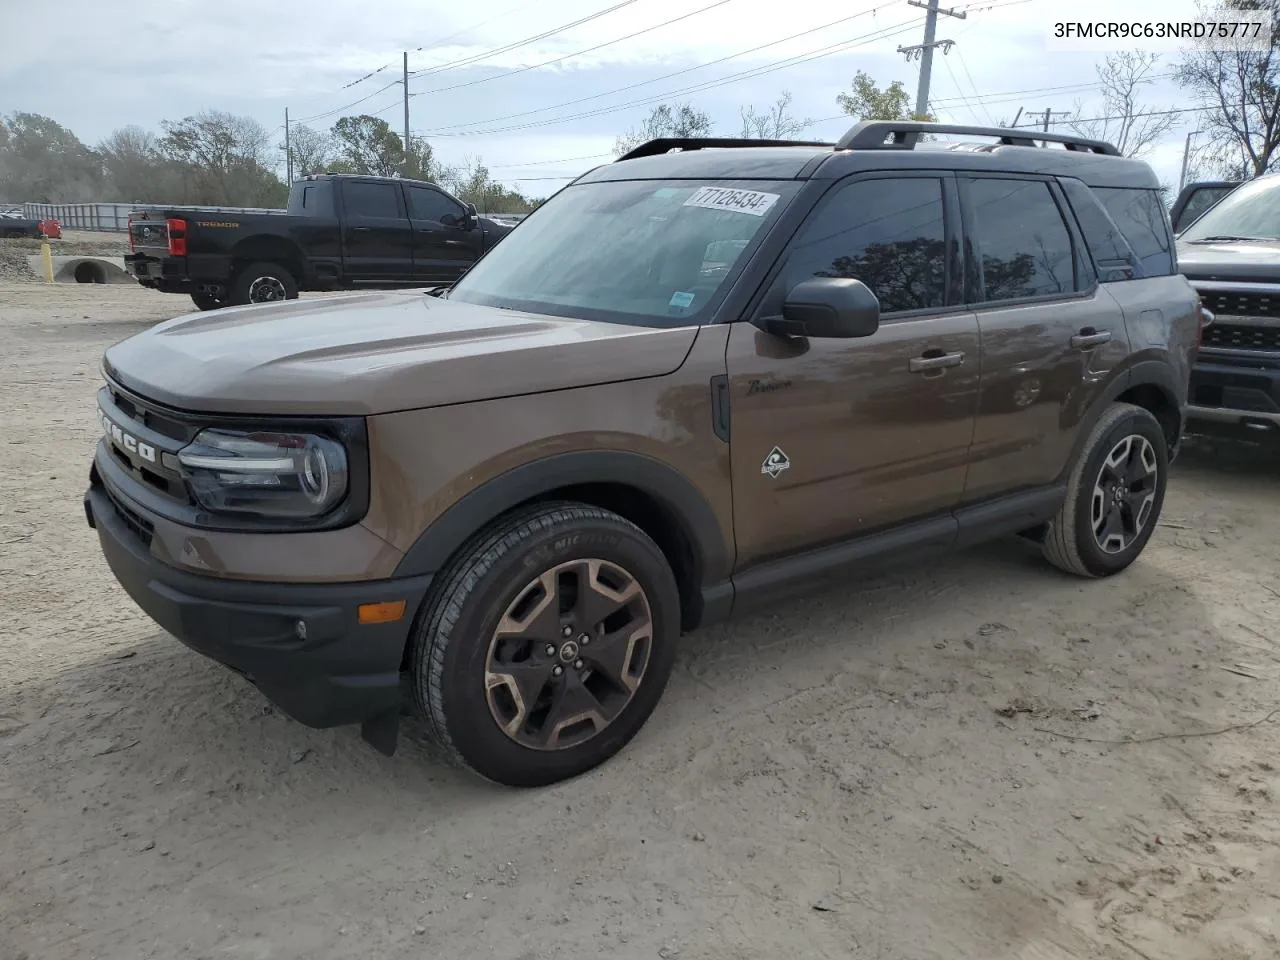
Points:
(428, 204)
(1250, 212)
(890, 234)
(1021, 239)
(1142, 219)
(646, 252)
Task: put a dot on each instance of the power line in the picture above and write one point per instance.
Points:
(506, 48)
(542, 163)
(465, 61)
(570, 56)
(972, 86)
(442, 40)
(676, 73)
(830, 50)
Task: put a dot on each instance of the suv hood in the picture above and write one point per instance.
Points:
(1245, 260)
(379, 353)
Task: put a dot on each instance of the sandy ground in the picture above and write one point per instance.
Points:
(923, 766)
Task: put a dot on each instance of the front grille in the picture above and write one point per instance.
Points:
(1228, 336)
(1228, 303)
(142, 528)
(150, 416)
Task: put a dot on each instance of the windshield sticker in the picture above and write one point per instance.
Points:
(741, 201)
(681, 299)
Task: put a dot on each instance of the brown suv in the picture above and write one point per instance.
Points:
(694, 380)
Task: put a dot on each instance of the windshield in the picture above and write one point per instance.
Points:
(1251, 211)
(648, 252)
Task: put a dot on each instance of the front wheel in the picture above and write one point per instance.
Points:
(1114, 495)
(263, 283)
(547, 644)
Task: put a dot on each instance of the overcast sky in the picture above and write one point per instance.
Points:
(95, 65)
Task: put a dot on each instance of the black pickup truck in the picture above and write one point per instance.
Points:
(339, 232)
(1231, 255)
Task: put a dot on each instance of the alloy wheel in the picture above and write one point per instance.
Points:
(1124, 493)
(266, 290)
(568, 654)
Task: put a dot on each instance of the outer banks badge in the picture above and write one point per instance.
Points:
(775, 463)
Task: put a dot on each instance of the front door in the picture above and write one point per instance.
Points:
(377, 241)
(833, 439)
(445, 243)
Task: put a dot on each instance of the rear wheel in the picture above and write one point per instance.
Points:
(547, 644)
(1114, 495)
(205, 301)
(263, 283)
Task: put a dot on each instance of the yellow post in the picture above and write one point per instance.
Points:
(47, 255)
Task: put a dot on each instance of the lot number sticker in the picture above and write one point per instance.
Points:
(742, 201)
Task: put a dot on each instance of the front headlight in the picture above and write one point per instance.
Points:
(288, 475)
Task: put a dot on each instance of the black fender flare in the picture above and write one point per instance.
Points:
(1143, 373)
(668, 487)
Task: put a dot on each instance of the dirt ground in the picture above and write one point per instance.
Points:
(930, 765)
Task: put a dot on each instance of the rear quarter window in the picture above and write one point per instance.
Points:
(1112, 256)
(1144, 222)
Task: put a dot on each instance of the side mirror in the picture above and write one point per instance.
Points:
(472, 218)
(829, 307)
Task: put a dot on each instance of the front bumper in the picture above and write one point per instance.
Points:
(1235, 391)
(302, 645)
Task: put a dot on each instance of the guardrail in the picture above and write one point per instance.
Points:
(114, 217)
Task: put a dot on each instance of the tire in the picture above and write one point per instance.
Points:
(1131, 438)
(262, 283)
(204, 301)
(476, 710)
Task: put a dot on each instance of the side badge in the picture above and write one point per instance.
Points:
(775, 463)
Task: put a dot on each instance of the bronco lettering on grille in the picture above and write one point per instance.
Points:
(125, 441)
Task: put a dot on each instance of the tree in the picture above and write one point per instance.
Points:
(1240, 93)
(134, 167)
(473, 184)
(42, 161)
(223, 159)
(665, 121)
(866, 101)
(775, 123)
(1122, 120)
(367, 145)
(312, 150)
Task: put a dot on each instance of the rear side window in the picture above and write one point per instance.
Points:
(890, 234)
(1110, 250)
(1021, 239)
(1142, 219)
(371, 200)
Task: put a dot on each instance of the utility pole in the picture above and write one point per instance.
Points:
(288, 153)
(1046, 116)
(925, 50)
(405, 171)
(1186, 159)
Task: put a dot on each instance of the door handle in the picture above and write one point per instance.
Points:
(1089, 337)
(362, 229)
(934, 360)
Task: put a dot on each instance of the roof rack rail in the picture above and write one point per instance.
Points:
(665, 144)
(904, 134)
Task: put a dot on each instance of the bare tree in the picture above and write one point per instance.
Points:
(665, 121)
(224, 159)
(133, 165)
(1122, 119)
(312, 150)
(1240, 93)
(775, 123)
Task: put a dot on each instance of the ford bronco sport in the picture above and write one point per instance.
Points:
(695, 380)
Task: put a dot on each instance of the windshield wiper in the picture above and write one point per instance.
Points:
(1230, 238)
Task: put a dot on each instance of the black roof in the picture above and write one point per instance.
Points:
(881, 145)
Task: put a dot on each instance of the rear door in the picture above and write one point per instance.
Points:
(377, 240)
(1050, 333)
(833, 439)
(445, 240)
